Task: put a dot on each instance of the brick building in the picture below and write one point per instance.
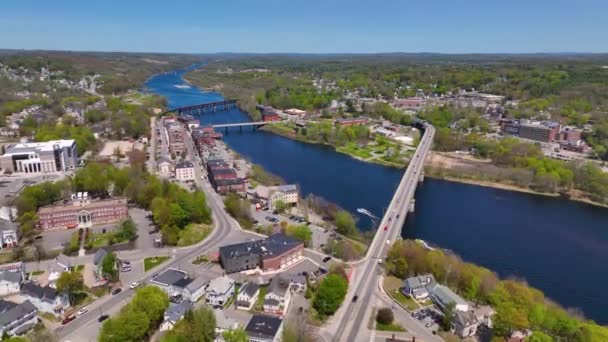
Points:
(224, 186)
(351, 121)
(82, 212)
(276, 252)
(545, 131)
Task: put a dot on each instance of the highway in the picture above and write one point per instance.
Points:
(351, 316)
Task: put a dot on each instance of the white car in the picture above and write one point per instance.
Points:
(82, 311)
(135, 284)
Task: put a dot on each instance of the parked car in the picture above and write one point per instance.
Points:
(116, 291)
(102, 318)
(82, 311)
(68, 319)
(326, 259)
(355, 298)
(135, 284)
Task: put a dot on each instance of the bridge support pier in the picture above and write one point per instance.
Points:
(412, 206)
(241, 129)
(421, 177)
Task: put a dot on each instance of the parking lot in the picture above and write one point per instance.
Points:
(430, 317)
(10, 186)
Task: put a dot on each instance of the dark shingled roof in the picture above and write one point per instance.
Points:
(276, 244)
(16, 312)
(263, 326)
(43, 293)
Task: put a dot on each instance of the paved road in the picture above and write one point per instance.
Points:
(346, 324)
(223, 226)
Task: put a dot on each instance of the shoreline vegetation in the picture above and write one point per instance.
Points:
(351, 149)
(449, 168)
(518, 305)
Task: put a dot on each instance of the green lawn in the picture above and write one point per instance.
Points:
(389, 327)
(392, 286)
(151, 262)
(354, 150)
(200, 259)
(193, 233)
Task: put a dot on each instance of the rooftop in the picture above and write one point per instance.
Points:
(89, 205)
(16, 312)
(275, 244)
(250, 288)
(279, 286)
(169, 277)
(184, 164)
(11, 277)
(43, 293)
(263, 326)
(221, 284)
(38, 146)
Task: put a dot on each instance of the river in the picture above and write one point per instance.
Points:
(558, 246)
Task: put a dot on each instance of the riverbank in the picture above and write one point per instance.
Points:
(365, 154)
(457, 169)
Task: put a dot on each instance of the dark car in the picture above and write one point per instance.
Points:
(68, 319)
(39, 237)
(355, 297)
(116, 291)
(322, 270)
(326, 259)
(102, 318)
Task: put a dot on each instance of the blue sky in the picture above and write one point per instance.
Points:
(315, 26)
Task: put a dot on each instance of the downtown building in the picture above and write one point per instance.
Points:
(82, 212)
(40, 157)
(276, 252)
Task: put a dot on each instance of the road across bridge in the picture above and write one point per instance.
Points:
(351, 316)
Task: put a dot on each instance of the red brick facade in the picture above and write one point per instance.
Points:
(82, 214)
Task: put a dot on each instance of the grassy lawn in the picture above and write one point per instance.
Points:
(353, 149)
(35, 273)
(392, 286)
(98, 239)
(151, 262)
(77, 268)
(193, 233)
(200, 259)
(389, 327)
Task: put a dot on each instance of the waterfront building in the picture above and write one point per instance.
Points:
(40, 157)
(351, 121)
(82, 212)
(276, 252)
(418, 287)
(443, 296)
(288, 194)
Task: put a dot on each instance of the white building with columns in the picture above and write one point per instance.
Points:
(40, 157)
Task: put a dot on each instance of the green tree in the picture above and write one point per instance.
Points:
(345, 223)
(301, 233)
(196, 326)
(330, 294)
(129, 326)
(109, 267)
(70, 283)
(236, 335)
(280, 206)
(385, 316)
(152, 301)
(127, 230)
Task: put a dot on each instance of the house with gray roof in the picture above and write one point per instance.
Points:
(278, 296)
(418, 287)
(98, 257)
(45, 299)
(10, 282)
(173, 314)
(298, 283)
(264, 328)
(223, 323)
(442, 296)
(17, 319)
(248, 295)
(220, 290)
(176, 282)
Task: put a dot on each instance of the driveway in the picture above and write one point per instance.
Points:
(145, 240)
